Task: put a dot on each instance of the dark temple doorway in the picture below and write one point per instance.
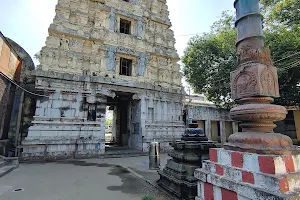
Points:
(118, 120)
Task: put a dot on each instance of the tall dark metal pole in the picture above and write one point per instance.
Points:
(254, 84)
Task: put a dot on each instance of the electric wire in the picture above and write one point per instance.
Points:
(193, 34)
(16, 84)
(287, 57)
(291, 65)
(27, 91)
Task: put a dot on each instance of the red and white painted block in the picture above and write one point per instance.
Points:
(248, 176)
(269, 164)
(211, 192)
(284, 183)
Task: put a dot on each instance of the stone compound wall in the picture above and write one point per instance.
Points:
(61, 125)
(209, 118)
(29, 100)
(163, 120)
(208, 113)
(10, 67)
(4, 100)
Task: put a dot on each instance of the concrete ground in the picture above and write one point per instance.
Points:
(101, 179)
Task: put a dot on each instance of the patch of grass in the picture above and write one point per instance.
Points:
(148, 197)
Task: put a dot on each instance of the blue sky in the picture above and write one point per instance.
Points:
(27, 21)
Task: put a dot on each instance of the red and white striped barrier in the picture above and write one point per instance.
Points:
(211, 192)
(240, 175)
(270, 164)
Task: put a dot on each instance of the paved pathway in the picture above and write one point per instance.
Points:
(100, 179)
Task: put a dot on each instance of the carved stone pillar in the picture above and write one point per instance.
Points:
(208, 129)
(223, 131)
(235, 127)
(256, 163)
(254, 84)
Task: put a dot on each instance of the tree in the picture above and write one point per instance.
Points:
(285, 46)
(285, 12)
(283, 38)
(209, 59)
(108, 122)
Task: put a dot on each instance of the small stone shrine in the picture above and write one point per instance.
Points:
(178, 175)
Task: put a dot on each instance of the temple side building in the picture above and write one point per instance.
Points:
(106, 53)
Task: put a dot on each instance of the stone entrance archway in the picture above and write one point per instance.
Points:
(121, 107)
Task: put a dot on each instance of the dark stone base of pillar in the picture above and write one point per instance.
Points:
(178, 175)
(179, 188)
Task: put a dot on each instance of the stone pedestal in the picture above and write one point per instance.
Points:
(178, 175)
(73, 140)
(66, 125)
(232, 175)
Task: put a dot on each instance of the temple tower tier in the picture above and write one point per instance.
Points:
(104, 54)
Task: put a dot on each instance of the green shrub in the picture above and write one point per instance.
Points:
(148, 197)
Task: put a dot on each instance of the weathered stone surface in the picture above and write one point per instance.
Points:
(84, 38)
(254, 79)
(80, 67)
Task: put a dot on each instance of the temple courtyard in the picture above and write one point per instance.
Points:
(125, 178)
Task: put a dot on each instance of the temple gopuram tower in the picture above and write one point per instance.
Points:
(116, 54)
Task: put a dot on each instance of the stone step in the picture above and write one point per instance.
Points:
(6, 169)
(112, 152)
(7, 165)
(123, 154)
(179, 188)
(243, 190)
(10, 160)
(2, 163)
(285, 183)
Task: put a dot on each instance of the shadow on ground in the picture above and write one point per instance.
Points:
(131, 184)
